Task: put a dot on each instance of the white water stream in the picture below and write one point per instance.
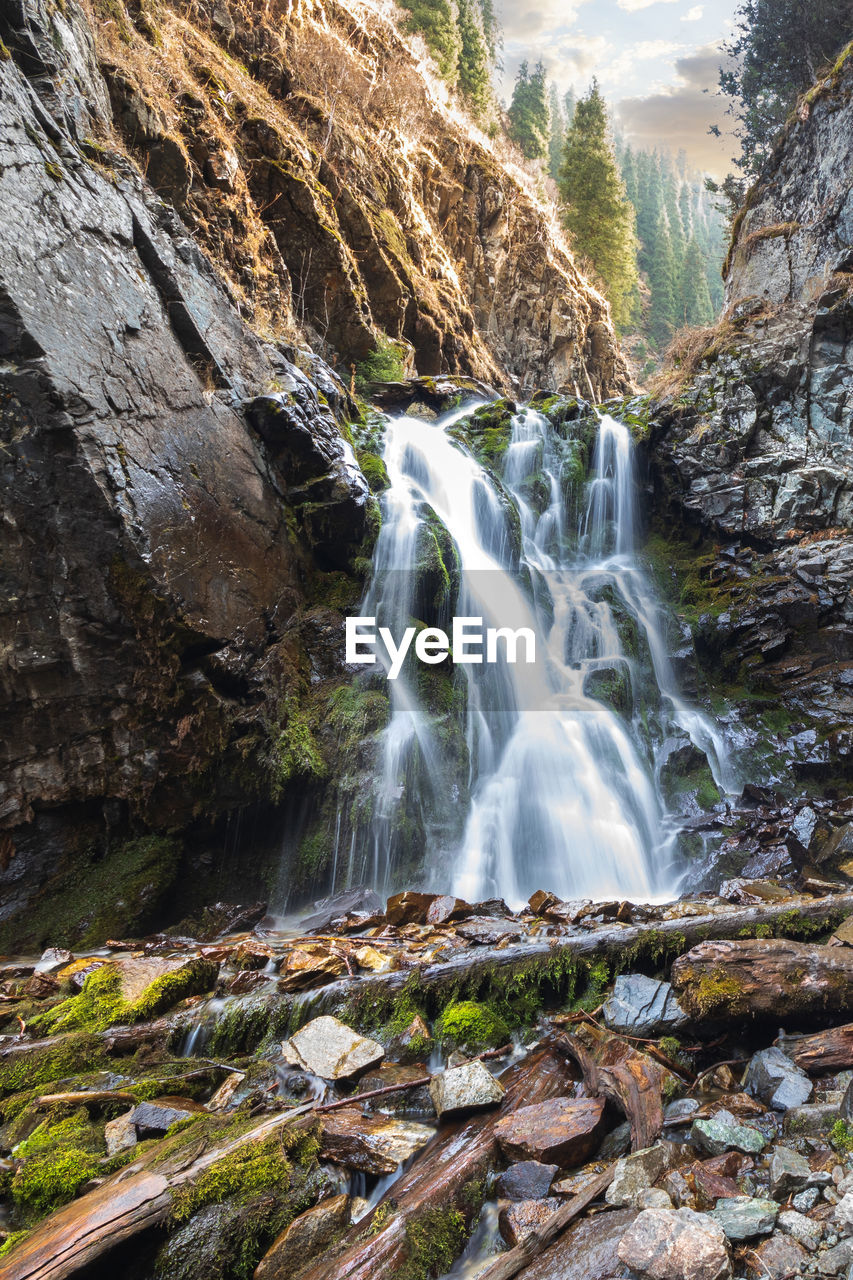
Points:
(563, 789)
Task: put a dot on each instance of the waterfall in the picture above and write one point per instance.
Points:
(560, 788)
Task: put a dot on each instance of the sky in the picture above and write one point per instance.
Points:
(657, 62)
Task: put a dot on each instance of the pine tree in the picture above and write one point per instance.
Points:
(491, 29)
(435, 20)
(474, 70)
(558, 133)
(595, 209)
(569, 103)
(663, 315)
(696, 305)
(629, 176)
(528, 112)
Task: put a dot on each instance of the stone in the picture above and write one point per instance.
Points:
(409, 908)
(617, 1142)
(835, 1260)
(676, 1244)
(722, 1132)
(843, 935)
(328, 1048)
(120, 1134)
(743, 1217)
(415, 1042)
(447, 908)
(151, 1119)
(224, 1097)
(812, 1120)
(526, 1180)
(307, 1236)
(487, 930)
(806, 1231)
(642, 1007)
(373, 960)
(588, 1251)
(681, 1109)
(654, 1198)
(308, 967)
(563, 1131)
(776, 1258)
(805, 1200)
(842, 1214)
(470, 1087)
(517, 1219)
(407, 1100)
(774, 1078)
(52, 959)
(634, 1175)
(374, 1144)
(328, 910)
(789, 1171)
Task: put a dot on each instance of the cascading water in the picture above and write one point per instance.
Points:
(561, 784)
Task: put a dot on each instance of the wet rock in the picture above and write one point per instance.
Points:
(681, 1109)
(409, 908)
(52, 959)
(40, 986)
(789, 1171)
(806, 1231)
(777, 1081)
(119, 1134)
(370, 1144)
(811, 1120)
(330, 1049)
(224, 1097)
(676, 1244)
(308, 1235)
(470, 1087)
(835, 1260)
(222, 918)
(743, 1217)
(526, 1180)
(634, 1175)
(328, 910)
(373, 960)
(643, 1007)
(717, 1178)
(448, 908)
(776, 1258)
(587, 1252)
(251, 953)
(151, 1119)
(563, 1131)
(721, 1133)
(617, 1142)
(307, 967)
(415, 1043)
(487, 930)
(517, 1220)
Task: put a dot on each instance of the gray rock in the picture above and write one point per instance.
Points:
(789, 1171)
(641, 1006)
(527, 1180)
(810, 1121)
(676, 1244)
(744, 1217)
(777, 1081)
(153, 1118)
(835, 1261)
(722, 1132)
(806, 1231)
(328, 1048)
(462, 1089)
(681, 1109)
(634, 1175)
(780, 1258)
(326, 910)
(805, 1200)
(120, 1134)
(617, 1142)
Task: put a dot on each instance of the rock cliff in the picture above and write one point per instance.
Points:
(183, 513)
(751, 458)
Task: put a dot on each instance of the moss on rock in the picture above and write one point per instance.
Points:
(472, 1026)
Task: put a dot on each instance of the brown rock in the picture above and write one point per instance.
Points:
(588, 1252)
(526, 1180)
(307, 1236)
(307, 967)
(487, 930)
(370, 1144)
(41, 985)
(517, 1219)
(540, 901)
(563, 1131)
(251, 954)
(397, 1073)
(776, 1258)
(447, 908)
(409, 908)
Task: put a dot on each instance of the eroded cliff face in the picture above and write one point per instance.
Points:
(751, 461)
(184, 519)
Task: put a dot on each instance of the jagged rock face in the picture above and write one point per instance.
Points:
(752, 456)
(151, 582)
(324, 173)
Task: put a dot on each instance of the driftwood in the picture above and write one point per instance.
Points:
(523, 1254)
(94, 1098)
(614, 1069)
(825, 1051)
(462, 1152)
(88, 1229)
(763, 978)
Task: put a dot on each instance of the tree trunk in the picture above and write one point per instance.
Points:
(825, 1051)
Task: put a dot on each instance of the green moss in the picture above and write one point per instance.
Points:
(434, 1240)
(715, 994)
(44, 1183)
(253, 1167)
(5, 55)
(29, 1071)
(295, 753)
(841, 1138)
(384, 364)
(16, 1238)
(53, 171)
(374, 469)
(100, 1004)
(471, 1026)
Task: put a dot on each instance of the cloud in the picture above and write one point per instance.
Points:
(521, 22)
(644, 51)
(681, 115)
(694, 14)
(631, 6)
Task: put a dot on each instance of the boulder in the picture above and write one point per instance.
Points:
(634, 1175)
(407, 1099)
(811, 1120)
(776, 1258)
(328, 910)
(307, 967)
(744, 1217)
(563, 1131)
(487, 930)
(526, 1180)
(721, 1132)
(587, 1252)
(150, 1119)
(448, 908)
(517, 1219)
(308, 1235)
(642, 1007)
(409, 908)
(374, 1144)
(789, 1171)
(676, 1244)
(328, 1048)
(806, 1231)
(777, 1081)
(120, 1134)
(471, 1087)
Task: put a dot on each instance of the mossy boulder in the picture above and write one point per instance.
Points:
(611, 686)
(472, 1027)
(104, 1000)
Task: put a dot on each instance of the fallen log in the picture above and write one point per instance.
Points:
(94, 1098)
(763, 978)
(523, 1254)
(614, 1069)
(86, 1230)
(460, 1155)
(825, 1051)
